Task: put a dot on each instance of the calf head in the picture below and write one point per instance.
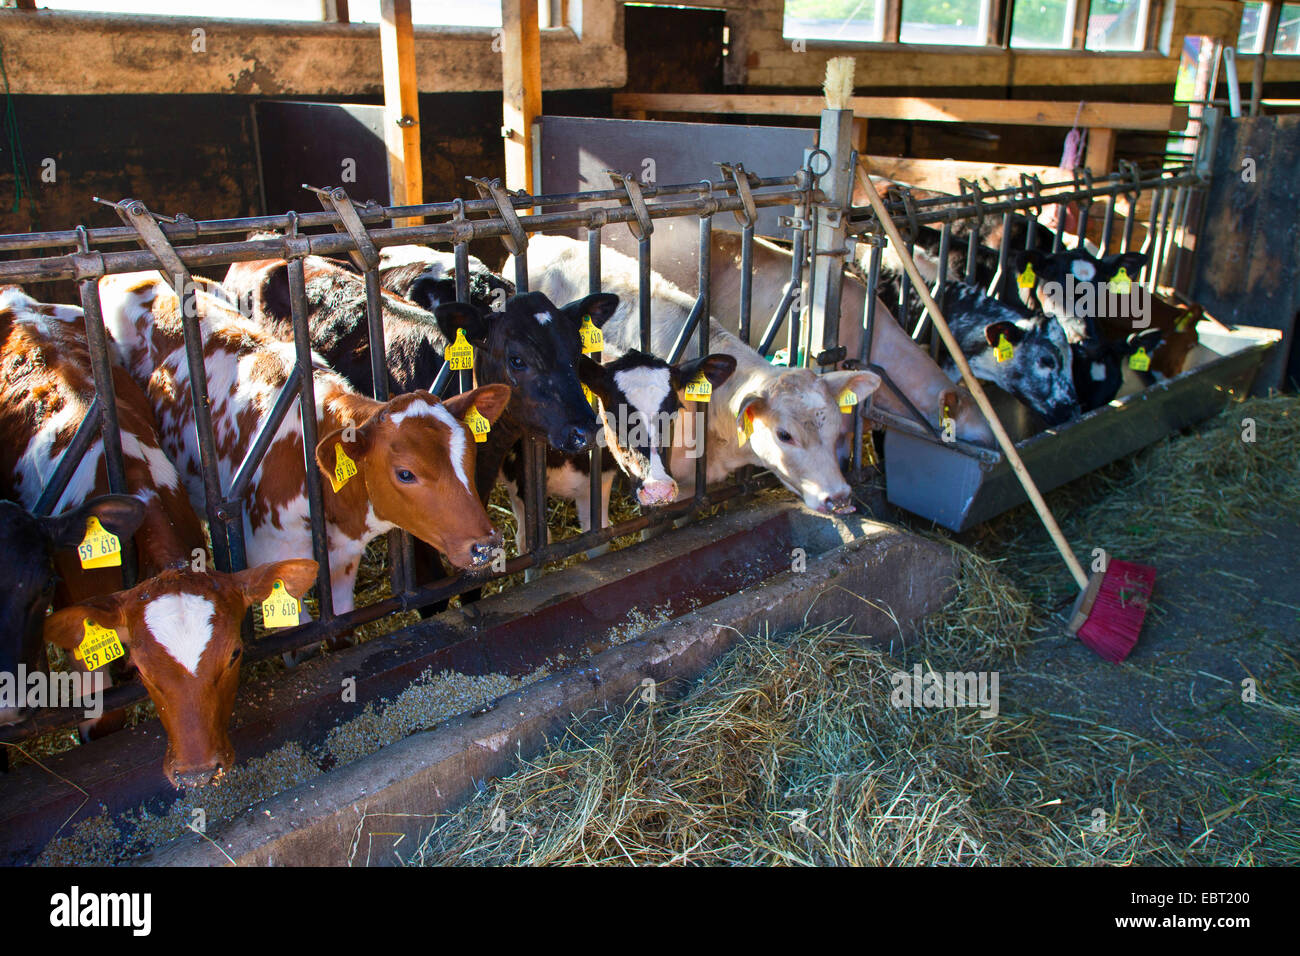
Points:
(1074, 287)
(639, 396)
(182, 630)
(1098, 364)
(534, 347)
(415, 459)
(27, 580)
(792, 423)
(1039, 372)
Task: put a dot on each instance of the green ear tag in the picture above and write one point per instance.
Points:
(1004, 349)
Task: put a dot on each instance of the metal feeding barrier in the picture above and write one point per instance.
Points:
(177, 245)
(825, 229)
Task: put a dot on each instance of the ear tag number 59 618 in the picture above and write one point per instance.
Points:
(281, 609)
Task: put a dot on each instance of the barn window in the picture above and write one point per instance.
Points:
(1288, 30)
(958, 22)
(1047, 24)
(464, 13)
(1117, 24)
(1250, 38)
(860, 20)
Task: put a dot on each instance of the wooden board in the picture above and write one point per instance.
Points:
(521, 88)
(1137, 116)
(401, 105)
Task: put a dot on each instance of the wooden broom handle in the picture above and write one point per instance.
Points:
(982, 400)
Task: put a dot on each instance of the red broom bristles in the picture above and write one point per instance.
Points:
(1119, 609)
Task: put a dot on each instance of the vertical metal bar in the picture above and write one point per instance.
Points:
(864, 349)
(1171, 232)
(1156, 240)
(905, 295)
(521, 271)
(643, 290)
(466, 376)
(307, 410)
(1130, 218)
(110, 430)
(972, 244)
(1004, 250)
(746, 279)
(595, 496)
(1085, 208)
(940, 283)
(702, 408)
(1108, 224)
(1180, 241)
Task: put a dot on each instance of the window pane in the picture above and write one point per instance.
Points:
(232, 9)
(832, 19)
(1117, 25)
(944, 21)
(1042, 23)
(1249, 38)
(1288, 30)
(462, 13)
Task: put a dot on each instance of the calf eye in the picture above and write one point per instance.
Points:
(235, 656)
(1047, 362)
(785, 436)
(516, 363)
(405, 477)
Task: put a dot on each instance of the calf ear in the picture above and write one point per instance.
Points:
(490, 400)
(255, 584)
(1131, 262)
(994, 330)
(271, 293)
(1148, 339)
(717, 368)
(600, 306)
(863, 384)
(355, 442)
(1045, 266)
(120, 514)
(452, 316)
(429, 292)
(752, 406)
(66, 628)
(596, 377)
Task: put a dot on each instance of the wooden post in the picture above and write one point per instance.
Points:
(860, 135)
(521, 88)
(334, 11)
(401, 105)
(1100, 155)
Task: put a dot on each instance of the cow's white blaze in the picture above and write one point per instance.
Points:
(182, 626)
(458, 446)
(542, 317)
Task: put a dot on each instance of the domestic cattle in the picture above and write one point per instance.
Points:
(407, 463)
(28, 575)
(46, 390)
(786, 420)
(1036, 364)
(638, 396)
(182, 629)
(428, 278)
(1076, 287)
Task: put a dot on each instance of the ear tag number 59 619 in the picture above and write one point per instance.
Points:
(100, 548)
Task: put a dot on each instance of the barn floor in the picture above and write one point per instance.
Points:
(788, 752)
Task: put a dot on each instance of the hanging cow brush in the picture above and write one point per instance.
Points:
(1113, 603)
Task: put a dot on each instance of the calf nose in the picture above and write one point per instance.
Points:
(840, 504)
(577, 438)
(483, 550)
(656, 492)
(199, 777)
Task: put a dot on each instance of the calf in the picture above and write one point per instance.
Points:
(638, 395)
(428, 278)
(27, 576)
(406, 463)
(1038, 370)
(46, 389)
(182, 629)
(1076, 287)
(786, 420)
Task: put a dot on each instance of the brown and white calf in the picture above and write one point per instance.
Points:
(786, 420)
(182, 629)
(46, 389)
(413, 456)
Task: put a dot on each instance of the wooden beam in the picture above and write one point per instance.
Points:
(521, 87)
(942, 175)
(1100, 155)
(26, 4)
(401, 105)
(1134, 116)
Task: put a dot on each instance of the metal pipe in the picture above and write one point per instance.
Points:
(702, 409)
(69, 461)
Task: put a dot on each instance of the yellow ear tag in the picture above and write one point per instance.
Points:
(100, 646)
(1004, 349)
(593, 340)
(1027, 278)
(699, 389)
(479, 425)
(100, 548)
(591, 396)
(281, 609)
(460, 354)
(745, 426)
(344, 468)
(848, 398)
(1184, 322)
(1139, 361)
(1120, 282)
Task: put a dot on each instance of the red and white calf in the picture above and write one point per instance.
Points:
(46, 389)
(182, 631)
(407, 463)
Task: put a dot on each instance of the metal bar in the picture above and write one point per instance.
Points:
(595, 492)
(82, 439)
(1004, 250)
(307, 409)
(702, 408)
(1108, 225)
(746, 279)
(239, 484)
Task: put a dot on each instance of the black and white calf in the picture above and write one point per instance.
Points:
(1038, 368)
(639, 398)
(427, 277)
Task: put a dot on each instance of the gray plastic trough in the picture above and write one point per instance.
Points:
(958, 489)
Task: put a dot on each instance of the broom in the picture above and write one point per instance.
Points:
(1112, 604)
